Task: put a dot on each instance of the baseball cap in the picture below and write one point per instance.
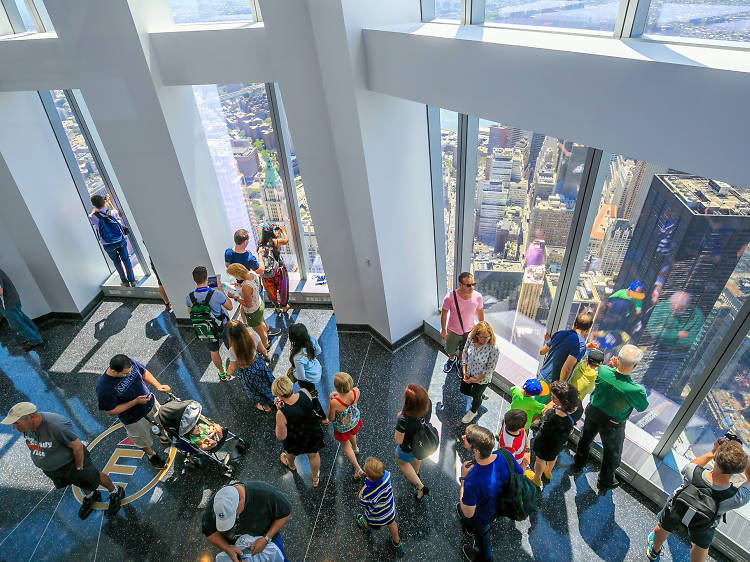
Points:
(535, 387)
(18, 411)
(226, 502)
(636, 290)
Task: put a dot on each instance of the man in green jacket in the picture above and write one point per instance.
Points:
(674, 326)
(614, 398)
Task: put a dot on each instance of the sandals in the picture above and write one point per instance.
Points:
(316, 481)
(265, 409)
(285, 462)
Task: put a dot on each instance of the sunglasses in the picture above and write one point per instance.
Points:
(468, 284)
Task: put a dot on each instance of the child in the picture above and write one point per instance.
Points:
(205, 435)
(513, 438)
(344, 414)
(559, 417)
(729, 459)
(376, 497)
(306, 368)
(584, 373)
(523, 398)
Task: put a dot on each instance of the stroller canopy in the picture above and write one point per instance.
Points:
(179, 416)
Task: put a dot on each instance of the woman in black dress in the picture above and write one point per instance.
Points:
(297, 426)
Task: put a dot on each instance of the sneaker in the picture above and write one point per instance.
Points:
(399, 546)
(224, 377)
(576, 470)
(604, 486)
(468, 416)
(115, 499)
(124, 283)
(28, 346)
(528, 473)
(449, 364)
(273, 332)
(88, 504)
(362, 523)
(164, 439)
(157, 462)
(650, 553)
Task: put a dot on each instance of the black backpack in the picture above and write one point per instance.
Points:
(425, 440)
(204, 322)
(518, 500)
(697, 504)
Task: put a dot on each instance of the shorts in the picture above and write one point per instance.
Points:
(215, 345)
(404, 456)
(87, 479)
(671, 522)
(140, 431)
(454, 342)
(346, 435)
(546, 450)
(255, 318)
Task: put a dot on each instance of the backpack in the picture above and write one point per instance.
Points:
(272, 262)
(205, 324)
(425, 440)
(110, 229)
(518, 501)
(697, 504)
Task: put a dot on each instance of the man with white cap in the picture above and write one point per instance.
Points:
(56, 449)
(226, 518)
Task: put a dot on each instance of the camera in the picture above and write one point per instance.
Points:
(732, 437)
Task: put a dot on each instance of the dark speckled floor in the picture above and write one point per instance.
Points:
(40, 523)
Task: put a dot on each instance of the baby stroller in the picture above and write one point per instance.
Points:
(179, 417)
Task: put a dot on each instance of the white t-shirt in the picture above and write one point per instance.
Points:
(256, 340)
(254, 284)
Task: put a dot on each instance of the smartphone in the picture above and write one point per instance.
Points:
(213, 281)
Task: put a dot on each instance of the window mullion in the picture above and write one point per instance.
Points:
(427, 8)
(256, 10)
(589, 194)
(634, 21)
(472, 12)
(278, 119)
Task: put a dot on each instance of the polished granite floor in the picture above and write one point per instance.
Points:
(163, 523)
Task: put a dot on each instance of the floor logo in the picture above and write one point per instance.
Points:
(125, 466)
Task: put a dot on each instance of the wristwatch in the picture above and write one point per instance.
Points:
(268, 540)
(79, 468)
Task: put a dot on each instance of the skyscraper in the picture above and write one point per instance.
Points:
(614, 245)
(553, 218)
(272, 193)
(571, 159)
(535, 145)
(531, 291)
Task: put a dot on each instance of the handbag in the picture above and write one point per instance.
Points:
(467, 387)
(290, 374)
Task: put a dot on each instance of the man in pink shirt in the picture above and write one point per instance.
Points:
(455, 325)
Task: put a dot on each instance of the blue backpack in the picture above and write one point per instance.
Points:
(110, 229)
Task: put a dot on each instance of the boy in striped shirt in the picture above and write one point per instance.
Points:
(513, 437)
(376, 497)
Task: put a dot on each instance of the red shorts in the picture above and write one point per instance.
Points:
(344, 437)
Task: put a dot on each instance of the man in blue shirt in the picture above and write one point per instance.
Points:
(481, 481)
(564, 349)
(122, 392)
(218, 303)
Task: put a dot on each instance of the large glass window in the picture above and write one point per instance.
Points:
(593, 15)
(666, 269)
(244, 148)
(726, 20)
(448, 9)
(200, 11)
(725, 409)
(449, 153)
(525, 194)
(85, 165)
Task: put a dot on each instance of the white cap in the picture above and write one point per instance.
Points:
(226, 502)
(18, 411)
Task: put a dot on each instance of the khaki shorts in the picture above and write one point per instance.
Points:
(140, 431)
(454, 342)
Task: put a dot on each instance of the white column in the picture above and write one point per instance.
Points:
(152, 135)
(364, 159)
(54, 258)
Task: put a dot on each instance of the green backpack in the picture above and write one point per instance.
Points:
(518, 500)
(205, 324)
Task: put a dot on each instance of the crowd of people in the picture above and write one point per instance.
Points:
(508, 468)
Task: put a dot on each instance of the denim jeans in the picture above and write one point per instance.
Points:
(480, 535)
(118, 253)
(21, 324)
(613, 437)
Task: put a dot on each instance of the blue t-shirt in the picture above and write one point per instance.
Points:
(562, 344)
(113, 391)
(217, 299)
(246, 259)
(483, 484)
(308, 369)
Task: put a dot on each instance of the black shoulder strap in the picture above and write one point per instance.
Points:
(193, 300)
(718, 495)
(458, 311)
